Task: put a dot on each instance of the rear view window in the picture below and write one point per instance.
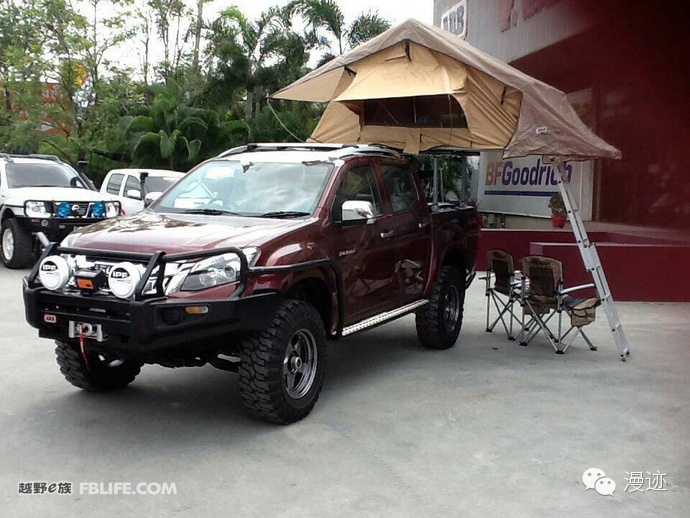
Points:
(39, 175)
(159, 183)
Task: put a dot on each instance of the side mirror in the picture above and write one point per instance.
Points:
(134, 194)
(356, 211)
(151, 197)
(75, 181)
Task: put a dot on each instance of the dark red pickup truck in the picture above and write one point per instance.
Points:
(251, 263)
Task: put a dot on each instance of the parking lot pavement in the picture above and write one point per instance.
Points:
(486, 429)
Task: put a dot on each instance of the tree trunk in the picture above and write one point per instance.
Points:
(8, 101)
(197, 34)
(249, 104)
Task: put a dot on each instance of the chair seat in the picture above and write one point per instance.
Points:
(577, 303)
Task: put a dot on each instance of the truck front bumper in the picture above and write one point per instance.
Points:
(56, 228)
(147, 326)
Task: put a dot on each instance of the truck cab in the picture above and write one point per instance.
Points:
(254, 262)
(132, 186)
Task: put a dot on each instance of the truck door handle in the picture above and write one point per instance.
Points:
(386, 235)
(423, 224)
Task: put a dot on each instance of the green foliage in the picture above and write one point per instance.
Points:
(556, 204)
(326, 15)
(172, 133)
(64, 89)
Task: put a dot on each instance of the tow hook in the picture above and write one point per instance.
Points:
(81, 330)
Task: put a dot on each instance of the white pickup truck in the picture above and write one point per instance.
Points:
(40, 193)
(132, 186)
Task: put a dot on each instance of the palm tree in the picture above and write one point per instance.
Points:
(326, 15)
(242, 51)
(173, 133)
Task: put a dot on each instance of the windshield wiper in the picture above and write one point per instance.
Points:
(285, 214)
(211, 212)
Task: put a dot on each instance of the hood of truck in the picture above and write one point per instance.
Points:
(150, 232)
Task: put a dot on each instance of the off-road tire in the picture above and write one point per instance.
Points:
(261, 376)
(432, 329)
(23, 250)
(97, 377)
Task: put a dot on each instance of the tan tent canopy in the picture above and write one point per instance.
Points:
(417, 87)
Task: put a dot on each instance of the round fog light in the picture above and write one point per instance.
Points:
(54, 272)
(123, 279)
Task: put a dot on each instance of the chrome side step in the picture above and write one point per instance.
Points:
(384, 317)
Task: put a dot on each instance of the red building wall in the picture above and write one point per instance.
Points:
(638, 267)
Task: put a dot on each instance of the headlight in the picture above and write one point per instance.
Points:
(211, 272)
(123, 279)
(54, 272)
(37, 209)
(112, 209)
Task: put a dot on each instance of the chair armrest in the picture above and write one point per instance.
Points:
(576, 288)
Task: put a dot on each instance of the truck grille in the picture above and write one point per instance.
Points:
(74, 209)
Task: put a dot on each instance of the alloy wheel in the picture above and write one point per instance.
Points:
(451, 308)
(300, 364)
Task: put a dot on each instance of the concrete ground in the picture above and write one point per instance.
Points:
(486, 429)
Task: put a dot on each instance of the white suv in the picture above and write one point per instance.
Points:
(40, 193)
(132, 186)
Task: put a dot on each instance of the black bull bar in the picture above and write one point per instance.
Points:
(142, 326)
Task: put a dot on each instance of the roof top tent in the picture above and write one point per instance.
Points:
(421, 89)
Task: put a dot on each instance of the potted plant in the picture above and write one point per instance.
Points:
(558, 212)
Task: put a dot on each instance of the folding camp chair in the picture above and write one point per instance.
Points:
(503, 292)
(546, 297)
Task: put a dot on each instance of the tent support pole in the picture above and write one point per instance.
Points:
(590, 257)
(436, 185)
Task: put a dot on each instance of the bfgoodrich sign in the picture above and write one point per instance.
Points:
(523, 186)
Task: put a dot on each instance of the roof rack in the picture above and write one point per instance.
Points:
(339, 150)
(10, 156)
(362, 149)
(299, 146)
(451, 150)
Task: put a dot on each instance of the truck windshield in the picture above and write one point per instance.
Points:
(248, 188)
(40, 175)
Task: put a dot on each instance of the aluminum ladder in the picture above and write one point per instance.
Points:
(590, 257)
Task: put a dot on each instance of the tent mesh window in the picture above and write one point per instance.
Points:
(429, 111)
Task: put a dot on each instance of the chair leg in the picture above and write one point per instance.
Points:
(488, 302)
(592, 347)
(522, 325)
(501, 312)
(560, 325)
(541, 325)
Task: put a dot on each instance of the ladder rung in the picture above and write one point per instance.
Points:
(592, 262)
